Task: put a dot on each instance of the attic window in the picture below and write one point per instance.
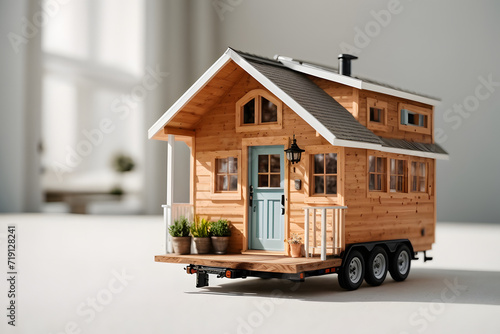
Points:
(414, 118)
(376, 114)
(409, 117)
(258, 110)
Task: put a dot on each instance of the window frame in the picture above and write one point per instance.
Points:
(416, 110)
(308, 186)
(408, 159)
(383, 174)
(258, 125)
(404, 175)
(226, 194)
(324, 174)
(418, 176)
(375, 103)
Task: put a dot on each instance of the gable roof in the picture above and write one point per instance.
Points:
(328, 117)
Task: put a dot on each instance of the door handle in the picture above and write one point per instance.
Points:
(282, 204)
(250, 197)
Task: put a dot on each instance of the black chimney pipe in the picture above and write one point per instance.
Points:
(345, 63)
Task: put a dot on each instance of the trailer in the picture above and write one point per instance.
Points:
(281, 146)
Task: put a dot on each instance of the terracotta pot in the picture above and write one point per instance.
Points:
(181, 245)
(295, 250)
(220, 244)
(202, 245)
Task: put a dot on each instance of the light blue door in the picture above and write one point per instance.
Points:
(266, 205)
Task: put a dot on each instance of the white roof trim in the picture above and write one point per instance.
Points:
(296, 107)
(353, 82)
(189, 94)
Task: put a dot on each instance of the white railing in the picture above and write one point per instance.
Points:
(337, 223)
(171, 214)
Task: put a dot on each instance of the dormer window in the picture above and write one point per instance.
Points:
(258, 110)
(413, 118)
(376, 114)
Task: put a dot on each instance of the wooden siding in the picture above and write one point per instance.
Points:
(368, 218)
(355, 101)
(386, 216)
(217, 132)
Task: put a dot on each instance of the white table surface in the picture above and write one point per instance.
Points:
(96, 274)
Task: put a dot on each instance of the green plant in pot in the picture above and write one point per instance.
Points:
(201, 235)
(181, 240)
(220, 231)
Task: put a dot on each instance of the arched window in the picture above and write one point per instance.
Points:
(258, 110)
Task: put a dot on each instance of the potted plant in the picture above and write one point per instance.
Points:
(220, 231)
(201, 236)
(181, 240)
(295, 242)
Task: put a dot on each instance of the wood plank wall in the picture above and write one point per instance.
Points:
(368, 218)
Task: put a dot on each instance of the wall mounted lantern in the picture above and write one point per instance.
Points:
(294, 153)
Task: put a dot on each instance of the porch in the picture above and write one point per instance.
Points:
(265, 263)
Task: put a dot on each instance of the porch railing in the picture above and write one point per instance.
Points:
(171, 214)
(331, 230)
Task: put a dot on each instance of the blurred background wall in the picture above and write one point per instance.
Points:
(82, 81)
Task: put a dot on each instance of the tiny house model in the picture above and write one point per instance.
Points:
(357, 181)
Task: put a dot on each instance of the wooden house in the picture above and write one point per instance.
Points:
(367, 173)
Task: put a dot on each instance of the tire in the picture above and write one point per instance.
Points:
(352, 273)
(399, 266)
(376, 267)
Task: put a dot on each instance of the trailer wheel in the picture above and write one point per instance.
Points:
(352, 273)
(400, 263)
(376, 267)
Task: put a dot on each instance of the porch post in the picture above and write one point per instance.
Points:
(170, 190)
(323, 234)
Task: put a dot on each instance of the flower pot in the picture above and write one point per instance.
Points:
(295, 250)
(220, 244)
(181, 245)
(202, 245)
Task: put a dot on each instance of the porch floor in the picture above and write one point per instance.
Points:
(268, 263)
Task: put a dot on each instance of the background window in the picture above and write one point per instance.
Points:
(418, 176)
(377, 173)
(325, 174)
(226, 174)
(397, 178)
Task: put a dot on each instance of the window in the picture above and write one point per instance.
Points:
(415, 119)
(377, 173)
(409, 117)
(324, 174)
(269, 171)
(258, 110)
(323, 177)
(418, 176)
(227, 174)
(397, 179)
(376, 114)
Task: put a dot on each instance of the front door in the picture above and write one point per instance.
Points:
(266, 204)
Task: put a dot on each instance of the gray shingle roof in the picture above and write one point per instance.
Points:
(338, 120)
(315, 100)
(407, 145)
